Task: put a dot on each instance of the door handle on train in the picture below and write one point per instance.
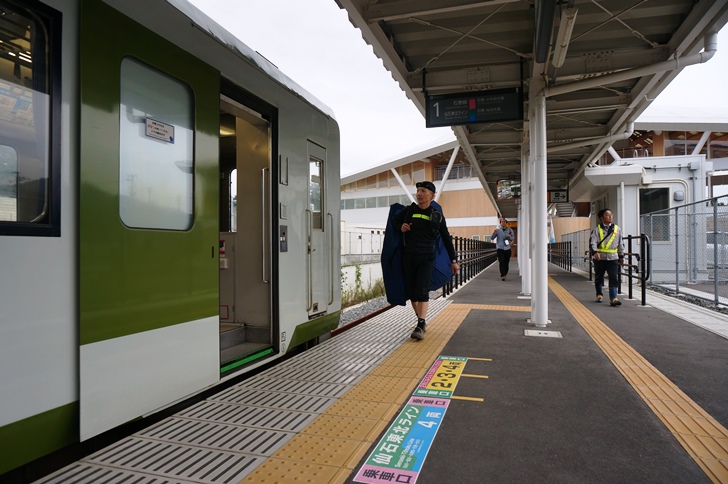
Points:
(263, 219)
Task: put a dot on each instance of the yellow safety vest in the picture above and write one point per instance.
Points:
(421, 215)
(603, 246)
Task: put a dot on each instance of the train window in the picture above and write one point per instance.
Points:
(315, 193)
(8, 184)
(156, 142)
(29, 119)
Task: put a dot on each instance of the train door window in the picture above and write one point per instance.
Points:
(29, 119)
(233, 197)
(315, 192)
(156, 142)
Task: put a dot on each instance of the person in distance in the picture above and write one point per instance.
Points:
(503, 236)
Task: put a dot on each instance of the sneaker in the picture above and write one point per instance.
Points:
(599, 298)
(615, 302)
(418, 333)
(503, 278)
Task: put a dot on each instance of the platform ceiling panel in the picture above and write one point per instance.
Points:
(435, 47)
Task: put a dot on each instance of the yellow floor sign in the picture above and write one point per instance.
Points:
(442, 378)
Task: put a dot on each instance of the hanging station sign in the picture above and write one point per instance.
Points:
(474, 107)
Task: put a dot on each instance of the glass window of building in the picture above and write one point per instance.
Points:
(657, 225)
(418, 171)
(405, 172)
(718, 146)
(675, 143)
(371, 182)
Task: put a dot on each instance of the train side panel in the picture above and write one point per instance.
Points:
(148, 266)
(38, 289)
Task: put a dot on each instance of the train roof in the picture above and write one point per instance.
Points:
(208, 25)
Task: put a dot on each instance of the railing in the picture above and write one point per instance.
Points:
(559, 254)
(473, 257)
(641, 270)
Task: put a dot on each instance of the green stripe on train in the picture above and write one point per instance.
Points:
(33, 437)
(308, 331)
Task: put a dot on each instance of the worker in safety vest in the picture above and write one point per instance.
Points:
(607, 250)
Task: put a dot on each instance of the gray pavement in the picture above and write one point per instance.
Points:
(556, 409)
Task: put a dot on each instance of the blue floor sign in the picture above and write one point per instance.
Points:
(400, 453)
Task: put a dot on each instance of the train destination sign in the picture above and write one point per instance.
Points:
(474, 107)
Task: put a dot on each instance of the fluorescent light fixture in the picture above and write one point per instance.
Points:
(566, 26)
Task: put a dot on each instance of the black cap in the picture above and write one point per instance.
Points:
(426, 184)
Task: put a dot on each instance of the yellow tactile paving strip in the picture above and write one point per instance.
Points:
(700, 434)
(329, 448)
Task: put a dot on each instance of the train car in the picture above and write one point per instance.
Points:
(169, 215)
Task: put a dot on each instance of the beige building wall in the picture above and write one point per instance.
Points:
(567, 225)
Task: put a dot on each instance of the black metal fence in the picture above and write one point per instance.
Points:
(473, 257)
(559, 253)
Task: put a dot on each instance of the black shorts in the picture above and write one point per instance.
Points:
(417, 275)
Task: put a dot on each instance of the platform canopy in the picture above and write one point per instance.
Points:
(445, 53)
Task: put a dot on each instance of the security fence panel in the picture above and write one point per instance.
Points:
(690, 249)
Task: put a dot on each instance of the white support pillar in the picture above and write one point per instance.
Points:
(614, 153)
(447, 172)
(524, 231)
(539, 296)
(404, 187)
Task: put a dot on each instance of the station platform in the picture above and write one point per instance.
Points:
(602, 394)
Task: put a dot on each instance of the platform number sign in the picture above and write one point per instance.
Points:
(442, 377)
(474, 107)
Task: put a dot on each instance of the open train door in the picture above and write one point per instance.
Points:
(148, 274)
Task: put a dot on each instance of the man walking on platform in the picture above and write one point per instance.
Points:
(503, 237)
(421, 223)
(606, 248)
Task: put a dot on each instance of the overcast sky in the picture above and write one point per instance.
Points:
(313, 43)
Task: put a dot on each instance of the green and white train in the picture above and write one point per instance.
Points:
(169, 215)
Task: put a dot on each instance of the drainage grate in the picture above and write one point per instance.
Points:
(261, 417)
(543, 334)
(300, 388)
(286, 401)
(174, 461)
(214, 435)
